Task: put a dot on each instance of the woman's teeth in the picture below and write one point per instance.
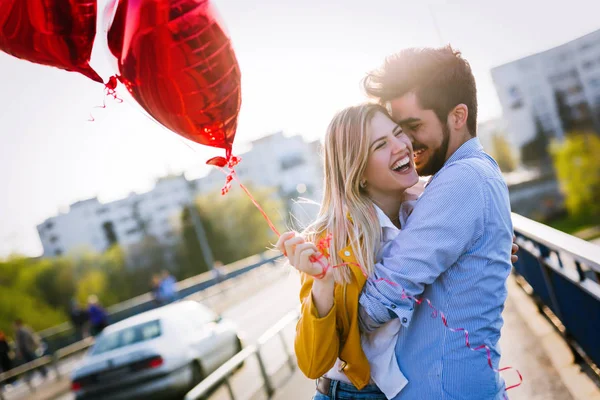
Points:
(400, 164)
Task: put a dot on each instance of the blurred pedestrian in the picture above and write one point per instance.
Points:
(28, 344)
(5, 359)
(79, 318)
(97, 314)
(217, 271)
(155, 290)
(168, 287)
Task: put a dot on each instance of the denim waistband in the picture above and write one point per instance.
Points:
(343, 390)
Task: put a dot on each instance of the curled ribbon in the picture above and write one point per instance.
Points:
(323, 246)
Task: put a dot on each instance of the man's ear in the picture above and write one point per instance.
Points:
(457, 118)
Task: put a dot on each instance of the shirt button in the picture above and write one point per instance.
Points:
(347, 253)
(404, 320)
(393, 306)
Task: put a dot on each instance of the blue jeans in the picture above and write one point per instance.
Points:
(344, 391)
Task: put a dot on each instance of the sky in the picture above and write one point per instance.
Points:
(301, 61)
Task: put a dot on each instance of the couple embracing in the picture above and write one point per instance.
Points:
(393, 240)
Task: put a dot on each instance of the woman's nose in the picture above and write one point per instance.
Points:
(398, 145)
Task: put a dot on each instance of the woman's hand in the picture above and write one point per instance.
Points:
(301, 255)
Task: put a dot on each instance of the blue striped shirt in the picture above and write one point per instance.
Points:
(454, 250)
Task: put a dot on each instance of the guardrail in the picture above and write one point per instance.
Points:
(186, 288)
(63, 335)
(44, 361)
(223, 373)
(562, 273)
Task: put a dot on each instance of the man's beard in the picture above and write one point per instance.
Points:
(437, 160)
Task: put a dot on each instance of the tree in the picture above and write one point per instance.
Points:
(577, 166)
(502, 153)
(535, 151)
(235, 229)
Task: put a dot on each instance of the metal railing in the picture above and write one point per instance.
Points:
(223, 374)
(63, 335)
(233, 273)
(47, 360)
(562, 273)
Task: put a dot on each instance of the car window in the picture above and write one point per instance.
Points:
(128, 336)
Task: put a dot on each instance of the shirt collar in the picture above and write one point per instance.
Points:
(384, 220)
(468, 148)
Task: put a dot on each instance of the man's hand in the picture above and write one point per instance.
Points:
(515, 248)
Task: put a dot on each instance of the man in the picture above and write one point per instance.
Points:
(455, 247)
(168, 287)
(27, 344)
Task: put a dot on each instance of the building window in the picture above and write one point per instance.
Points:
(102, 210)
(58, 252)
(109, 233)
(53, 239)
(515, 98)
(588, 64)
(49, 225)
(291, 162)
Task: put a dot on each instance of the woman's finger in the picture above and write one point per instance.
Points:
(290, 247)
(300, 248)
(285, 236)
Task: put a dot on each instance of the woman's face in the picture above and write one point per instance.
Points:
(390, 166)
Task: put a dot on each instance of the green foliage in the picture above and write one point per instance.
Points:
(235, 229)
(39, 291)
(577, 167)
(502, 153)
(535, 151)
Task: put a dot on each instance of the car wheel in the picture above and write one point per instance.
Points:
(197, 374)
(197, 377)
(239, 347)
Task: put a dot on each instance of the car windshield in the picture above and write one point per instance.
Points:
(128, 336)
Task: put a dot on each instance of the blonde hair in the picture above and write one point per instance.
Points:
(346, 212)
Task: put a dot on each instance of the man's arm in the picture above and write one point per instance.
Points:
(447, 220)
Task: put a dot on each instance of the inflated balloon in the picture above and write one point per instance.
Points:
(177, 62)
(58, 33)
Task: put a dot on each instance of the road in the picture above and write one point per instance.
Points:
(254, 315)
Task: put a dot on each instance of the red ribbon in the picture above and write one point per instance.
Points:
(322, 258)
(230, 163)
(110, 90)
(323, 246)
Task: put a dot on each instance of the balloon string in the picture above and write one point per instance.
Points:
(109, 90)
(231, 163)
(322, 259)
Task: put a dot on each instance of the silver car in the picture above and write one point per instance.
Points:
(159, 354)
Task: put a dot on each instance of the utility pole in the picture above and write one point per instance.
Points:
(201, 233)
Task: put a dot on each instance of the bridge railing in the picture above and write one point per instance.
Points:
(563, 273)
(223, 374)
(126, 309)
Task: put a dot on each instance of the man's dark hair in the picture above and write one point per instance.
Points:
(440, 78)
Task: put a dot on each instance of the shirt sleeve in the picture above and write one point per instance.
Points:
(446, 221)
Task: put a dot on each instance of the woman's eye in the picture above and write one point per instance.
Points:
(414, 127)
(380, 145)
(398, 133)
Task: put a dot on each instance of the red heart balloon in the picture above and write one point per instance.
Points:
(177, 62)
(59, 33)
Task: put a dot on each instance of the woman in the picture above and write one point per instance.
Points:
(368, 169)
